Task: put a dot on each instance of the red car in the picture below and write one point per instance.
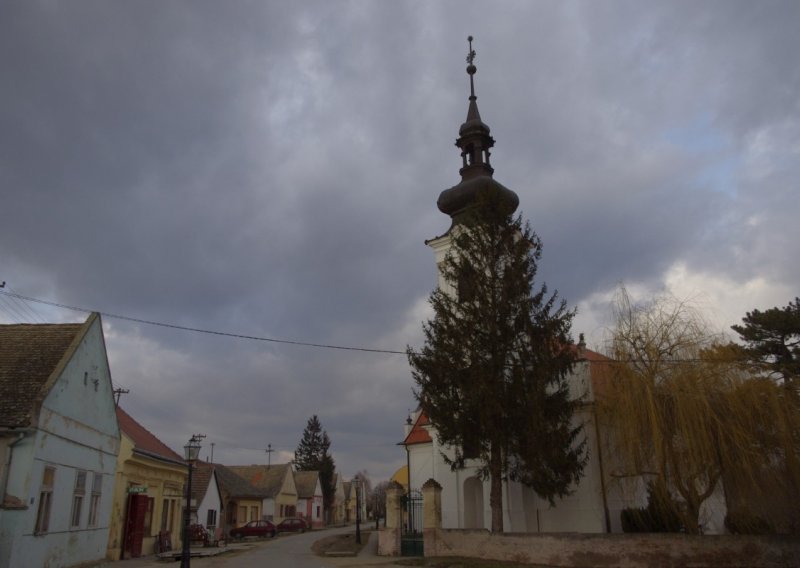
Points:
(292, 525)
(254, 528)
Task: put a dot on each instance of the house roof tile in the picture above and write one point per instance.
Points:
(201, 479)
(145, 441)
(266, 478)
(306, 483)
(235, 485)
(29, 354)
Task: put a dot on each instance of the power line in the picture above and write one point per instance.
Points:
(205, 331)
(605, 360)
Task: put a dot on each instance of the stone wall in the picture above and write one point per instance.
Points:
(622, 550)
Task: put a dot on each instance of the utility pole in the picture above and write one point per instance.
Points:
(269, 451)
(212, 452)
(118, 393)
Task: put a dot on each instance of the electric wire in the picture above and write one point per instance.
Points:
(204, 331)
(25, 307)
(604, 360)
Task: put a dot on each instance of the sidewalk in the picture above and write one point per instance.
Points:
(154, 561)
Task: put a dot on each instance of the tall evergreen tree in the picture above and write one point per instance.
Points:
(313, 454)
(492, 375)
(772, 340)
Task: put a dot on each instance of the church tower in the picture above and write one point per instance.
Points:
(475, 142)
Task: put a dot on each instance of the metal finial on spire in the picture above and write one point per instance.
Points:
(471, 69)
(471, 54)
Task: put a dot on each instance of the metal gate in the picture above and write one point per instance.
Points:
(411, 543)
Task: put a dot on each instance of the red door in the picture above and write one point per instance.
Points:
(134, 524)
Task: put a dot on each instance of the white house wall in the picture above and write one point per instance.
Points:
(77, 431)
(211, 501)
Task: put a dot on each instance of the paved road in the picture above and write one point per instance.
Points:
(288, 551)
(292, 550)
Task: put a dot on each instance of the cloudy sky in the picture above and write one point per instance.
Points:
(271, 169)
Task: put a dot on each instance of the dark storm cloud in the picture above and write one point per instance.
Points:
(272, 169)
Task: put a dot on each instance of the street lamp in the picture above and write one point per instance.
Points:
(357, 486)
(190, 451)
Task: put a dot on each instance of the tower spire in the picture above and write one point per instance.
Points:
(475, 142)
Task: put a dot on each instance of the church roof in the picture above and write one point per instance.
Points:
(418, 434)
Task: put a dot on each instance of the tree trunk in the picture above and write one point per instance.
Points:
(496, 488)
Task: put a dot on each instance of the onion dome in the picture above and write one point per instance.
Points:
(475, 141)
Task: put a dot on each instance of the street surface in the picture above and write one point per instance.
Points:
(289, 551)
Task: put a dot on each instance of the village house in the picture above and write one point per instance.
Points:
(337, 513)
(309, 498)
(148, 494)
(276, 484)
(207, 499)
(59, 442)
(241, 501)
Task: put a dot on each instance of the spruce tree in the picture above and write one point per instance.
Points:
(492, 374)
(313, 454)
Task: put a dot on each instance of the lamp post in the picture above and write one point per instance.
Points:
(190, 451)
(357, 486)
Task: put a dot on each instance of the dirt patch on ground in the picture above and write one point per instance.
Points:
(340, 544)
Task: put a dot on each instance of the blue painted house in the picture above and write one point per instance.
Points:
(59, 441)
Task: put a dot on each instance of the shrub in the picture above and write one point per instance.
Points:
(660, 515)
(744, 521)
(635, 520)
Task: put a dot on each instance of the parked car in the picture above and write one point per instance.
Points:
(292, 525)
(254, 528)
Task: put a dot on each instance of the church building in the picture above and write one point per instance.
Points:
(465, 497)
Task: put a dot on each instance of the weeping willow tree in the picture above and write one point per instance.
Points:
(678, 410)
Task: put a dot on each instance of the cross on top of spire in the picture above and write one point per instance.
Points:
(471, 69)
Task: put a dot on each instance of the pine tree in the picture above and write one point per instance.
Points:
(772, 340)
(492, 375)
(313, 454)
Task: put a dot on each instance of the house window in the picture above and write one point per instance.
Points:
(211, 520)
(318, 511)
(167, 514)
(94, 503)
(253, 513)
(77, 497)
(148, 516)
(45, 500)
(242, 515)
